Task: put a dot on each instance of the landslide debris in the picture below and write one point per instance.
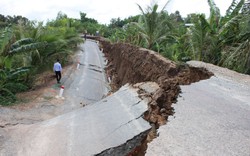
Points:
(131, 64)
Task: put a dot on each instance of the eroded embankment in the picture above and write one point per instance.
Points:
(131, 64)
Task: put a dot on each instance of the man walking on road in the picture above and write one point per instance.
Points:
(58, 69)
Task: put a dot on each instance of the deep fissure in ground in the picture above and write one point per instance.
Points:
(131, 64)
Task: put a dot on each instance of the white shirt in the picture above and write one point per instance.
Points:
(57, 67)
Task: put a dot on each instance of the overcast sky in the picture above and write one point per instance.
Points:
(101, 10)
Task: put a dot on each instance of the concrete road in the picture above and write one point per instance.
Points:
(88, 130)
(212, 118)
(88, 84)
(83, 86)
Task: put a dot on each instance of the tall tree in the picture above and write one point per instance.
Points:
(153, 26)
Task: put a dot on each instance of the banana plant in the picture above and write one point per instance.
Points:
(209, 37)
(236, 56)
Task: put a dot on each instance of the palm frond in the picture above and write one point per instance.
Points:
(14, 87)
(18, 71)
(214, 14)
(238, 58)
(233, 22)
(28, 47)
(6, 96)
(234, 8)
(243, 37)
(165, 5)
(6, 39)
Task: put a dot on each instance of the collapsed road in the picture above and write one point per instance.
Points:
(90, 130)
(113, 125)
(212, 117)
(123, 122)
(83, 86)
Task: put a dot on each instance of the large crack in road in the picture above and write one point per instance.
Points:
(130, 64)
(158, 94)
(144, 88)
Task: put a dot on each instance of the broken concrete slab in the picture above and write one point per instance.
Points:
(212, 117)
(90, 130)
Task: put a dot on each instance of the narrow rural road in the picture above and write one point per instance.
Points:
(88, 84)
(99, 125)
(82, 86)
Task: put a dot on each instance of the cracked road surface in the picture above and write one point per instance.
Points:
(212, 117)
(88, 83)
(82, 86)
(86, 131)
(100, 125)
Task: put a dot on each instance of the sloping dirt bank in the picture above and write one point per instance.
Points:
(131, 64)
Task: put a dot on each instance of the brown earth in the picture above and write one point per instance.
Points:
(131, 64)
(40, 90)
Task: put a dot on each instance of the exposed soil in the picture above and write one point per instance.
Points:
(131, 64)
(41, 90)
(37, 104)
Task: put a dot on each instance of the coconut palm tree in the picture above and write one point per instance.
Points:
(153, 27)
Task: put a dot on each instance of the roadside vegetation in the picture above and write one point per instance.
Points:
(220, 40)
(28, 48)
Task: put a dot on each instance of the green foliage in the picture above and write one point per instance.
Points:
(236, 55)
(87, 25)
(238, 58)
(17, 48)
(7, 20)
(234, 9)
(215, 16)
(85, 19)
(218, 40)
(6, 39)
(199, 37)
(114, 23)
(28, 49)
(11, 83)
(209, 37)
(153, 27)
